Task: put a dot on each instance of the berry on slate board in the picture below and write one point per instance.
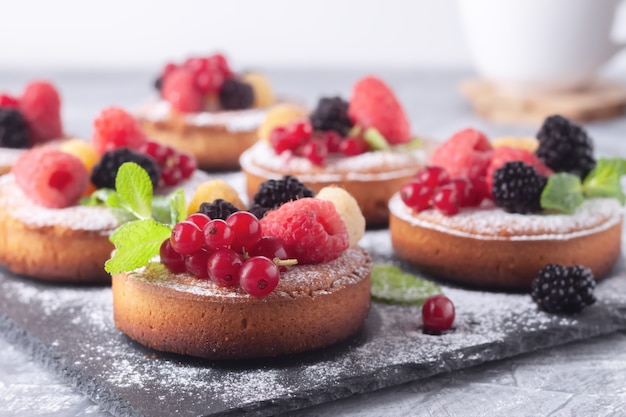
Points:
(517, 188)
(373, 104)
(14, 131)
(438, 314)
(50, 177)
(116, 128)
(40, 105)
(563, 289)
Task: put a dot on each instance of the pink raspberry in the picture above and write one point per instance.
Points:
(41, 106)
(504, 154)
(466, 154)
(180, 90)
(116, 128)
(7, 100)
(50, 177)
(311, 229)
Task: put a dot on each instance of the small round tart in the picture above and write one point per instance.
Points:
(314, 306)
(67, 245)
(489, 247)
(371, 178)
(216, 139)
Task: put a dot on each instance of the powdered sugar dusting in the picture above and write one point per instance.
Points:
(8, 156)
(233, 120)
(261, 160)
(492, 223)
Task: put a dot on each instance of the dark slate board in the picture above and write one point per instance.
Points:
(71, 331)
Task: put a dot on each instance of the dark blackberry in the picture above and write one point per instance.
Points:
(331, 113)
(236, 95)
(565, 147)
(13, 129)
(273, 193)
(158, 83)
(218, 209)
(517, 188)
(563, 289)
(104, 172)
(258, 211)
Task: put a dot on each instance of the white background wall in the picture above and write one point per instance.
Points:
(119, 34)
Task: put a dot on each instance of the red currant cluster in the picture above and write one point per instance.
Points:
(209, 73)
(174, 166)
(433, 187)
(300, 138)
(229, 252)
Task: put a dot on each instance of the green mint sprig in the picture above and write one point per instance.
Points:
(565, 192)
(391, 285)
(376, 141)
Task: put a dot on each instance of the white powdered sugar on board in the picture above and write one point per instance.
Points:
(492, 223)
(261, 160)
(232, 120)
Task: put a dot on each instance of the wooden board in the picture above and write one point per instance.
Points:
(601, 100)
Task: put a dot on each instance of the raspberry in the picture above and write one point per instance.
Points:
(7, 100)
(517, 188)
(180, 91)
(236, 95)
(218, 209)
(50, 177)
(466, 154)
(273, 193)
(116, 128)
(41, 106)
(373, 104)
(167, 70)
(311, 229)
(563, 289)
(105, 171)
(280, 115)
(13, 128)
(504, 154)
(332, 114)
(565, 147)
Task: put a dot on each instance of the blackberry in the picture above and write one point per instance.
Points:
(258, 211)
(236, 95)
(158, 83)
(565, 147)
(13, 128)
(517, 188)
(332, 114)
(273, 193)
(104, 172)
(219, 209)
(563, 289)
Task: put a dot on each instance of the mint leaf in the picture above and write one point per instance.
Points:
(391, 285)
(605, 179)
(136, 243)
(97, 198)
(563, 193)
(161, 211)
(375, 139)
(134, 187)
(178, 206)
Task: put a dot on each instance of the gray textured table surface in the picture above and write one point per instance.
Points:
(582, 378)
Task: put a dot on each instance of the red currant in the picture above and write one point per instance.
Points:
(301, 131)
(186, 238)
(223, 267)
(271, 247)
(173, 261)
(315, 151)
(437, 314)
(333, 140)
(199, 219)
(353, 146)
(187, 164)
(218, 234)
(446, 200)
(432, 176)
(480, 191)
(196, 264)
(8, 101)
(258, 276)
(281, 141)
(463, 189)
(246, 229)
(155, 150)
(219, 62)
(417, 195)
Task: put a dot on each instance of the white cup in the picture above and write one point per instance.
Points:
(529, 46)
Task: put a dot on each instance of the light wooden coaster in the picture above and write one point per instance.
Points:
(601, 100)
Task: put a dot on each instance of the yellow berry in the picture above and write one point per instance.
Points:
(82, 150)
(280, 115)
(209, 191)
(263, 94)
(348, 209)
(527, 143)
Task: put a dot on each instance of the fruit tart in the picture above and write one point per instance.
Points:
(208, 110)
(494, 216)
(31, 119)
(364, 146)
(52, 218)
(226, 285)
